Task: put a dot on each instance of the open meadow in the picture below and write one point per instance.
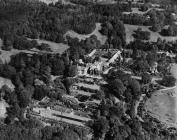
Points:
(55, 47)
(163, 103)
(129, 29)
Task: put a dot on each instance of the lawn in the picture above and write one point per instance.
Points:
(55, 47)
(4, 81)
(54, 1)
(129, 29)
(163, 103)
(136, 11)
(107, 2)
(48, 1)
(6, 55)
(163, 107)
(96, 32)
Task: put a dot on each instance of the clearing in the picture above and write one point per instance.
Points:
(107, 2)
(100, 37)
(4, 81)
(55, 47)
(137, 11)
(163, 103)
(65, 2)
(129, 29)
(5, 56)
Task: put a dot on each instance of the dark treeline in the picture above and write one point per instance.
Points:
(42, 21)
(32, 130)
(37, 20)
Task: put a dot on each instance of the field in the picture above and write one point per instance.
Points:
(136, 11)
(48, 1)
(161, 1)
(4, 81)
(54, 1)
(3, 106)
(96, 32)
(129, 29)
(5, 55)
(107, 2)
(56, 48)
(163, 104)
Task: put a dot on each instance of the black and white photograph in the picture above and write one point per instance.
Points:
(88, 69)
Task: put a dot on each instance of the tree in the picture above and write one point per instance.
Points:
(100, 127)
(136, 126)
(128, 96)
(8, 42)
(141, 35)
(168, 81)
(4, 90)
(117, 43)
(40, 92)
(67, 134)
(47, 132)
(141, 66)
(58, 67)
(16, 80)
(58, 83)
(37, 66)
(24, 98)
(116, 110)
(70, 71)
(28, 77)
(46, 73)
(114, 131)
(98, 96)
(155, 27)
(146, 78)
(8, 71)
(45, 47)
(118, 87)
(68, 82)
(12, 112)
(144, 7)
(135, 87)
(131, 137)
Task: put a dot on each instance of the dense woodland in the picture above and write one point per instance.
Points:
(37, 20)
